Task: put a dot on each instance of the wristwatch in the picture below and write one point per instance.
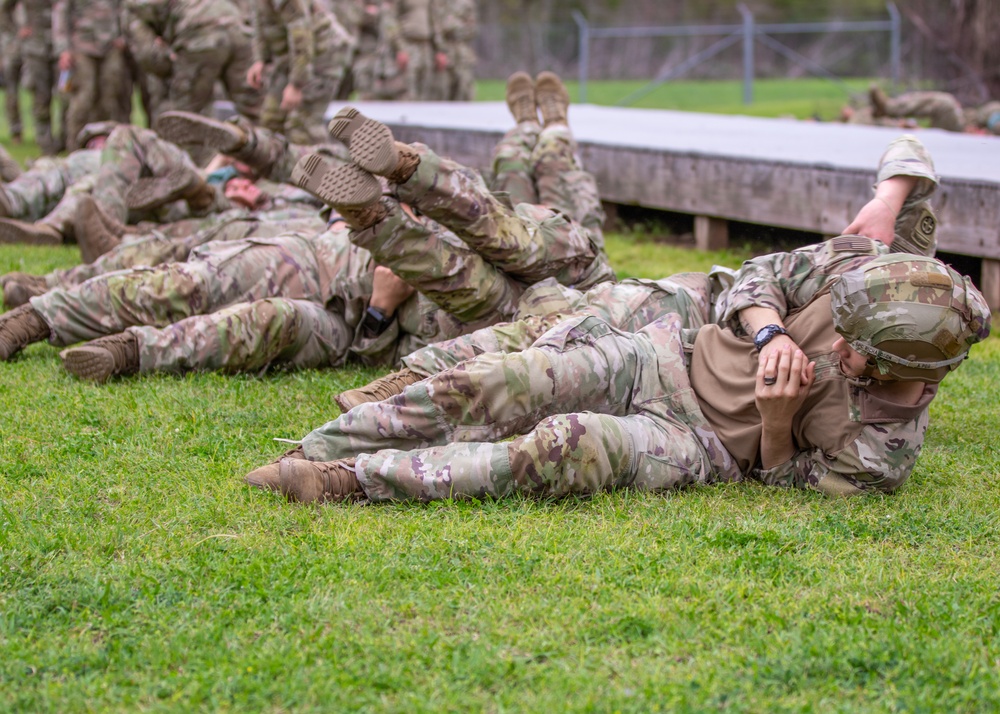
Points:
(766, 334)
(375, 322)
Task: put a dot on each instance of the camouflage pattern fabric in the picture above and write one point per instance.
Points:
(456, 22)
(940, 108)
(985, 117)
(39, 64)
(534, 165)
(248, 337)
(642, 427)
(174, 242)
(209, 41)
(295, 265)
(628, 306)
(12, 58)
(302, 44)
(916, 224)
(411, 30)
(36, 192)
(529, 243)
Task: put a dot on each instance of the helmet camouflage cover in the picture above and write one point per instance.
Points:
(913, 316)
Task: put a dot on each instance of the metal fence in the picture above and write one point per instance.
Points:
(747, 34)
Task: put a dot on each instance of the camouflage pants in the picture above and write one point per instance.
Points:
(173, 242)
(529, 243)
(42, 76)
(248, 336)
(941, 108)
(36, 192)
(294, 265)
(419, 72)
(13, 64)
(304, 124)
(628, 306)
(533, 165)
(101, 86)
(222, 55)
(642, 427)
(130, 154)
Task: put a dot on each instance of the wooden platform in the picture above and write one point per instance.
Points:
(793, 174)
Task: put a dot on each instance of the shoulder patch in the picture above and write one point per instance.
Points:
(852, 244)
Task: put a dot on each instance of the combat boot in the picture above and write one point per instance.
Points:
(234, 137)
(18, 288)
(266, 477)
(879, 101)
(373, 147)
(101, 359)
(344, 186)
(95, 232)
(552, 98)
(319, 482)
(19, 328)
(149, 193)
(521, 98)
(9, 168)
(382, 388)
(15, 231)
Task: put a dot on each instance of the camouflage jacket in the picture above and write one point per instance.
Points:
(188, 25)
(91, 26)
(298, 37)
(37, 16)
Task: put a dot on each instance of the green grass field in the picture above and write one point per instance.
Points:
(139, 573)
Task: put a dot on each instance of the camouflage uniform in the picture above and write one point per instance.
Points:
(350, 15)
(39, 60)
(37, 192)
(457, 25)
(13, 62)
(376, 74)
(100, 78)
(653, 405)
(301, 44)
(941, 108)
(985, 117)
(209, 41)
(412, 31)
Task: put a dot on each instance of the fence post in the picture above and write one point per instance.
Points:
(895, 44)
(584, 28)
(748, 34)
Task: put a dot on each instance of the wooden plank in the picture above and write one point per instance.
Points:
(990, 283)
(711, 233)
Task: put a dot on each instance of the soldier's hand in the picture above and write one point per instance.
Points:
(291, 98)
(24, 33)
(65, 60)
(440, 61)
(402, 60)
(779, 397)
(876, 220)
(255, 75)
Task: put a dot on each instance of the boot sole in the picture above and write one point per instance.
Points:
(199, 131)
(339, 184)
(14, 231)
(371, 143)
(91, 363)
(149, 193)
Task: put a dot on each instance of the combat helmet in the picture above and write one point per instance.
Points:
(94, 130)
(914, 317)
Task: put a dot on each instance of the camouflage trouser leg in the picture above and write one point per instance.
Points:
(36, 192)
(130, 153)
(512, 173)
(152, 249)
(83, 99)
(635, 388)
(248, 336)
(234, 76)
(273, 150)
(916, 224)
(942, 109)
(12, 66)
(627, 306)
(216, 275)
(445, 271)
(192, 81)
(419, 69)
(41, 71)
(562, 182)
(306, 124)
(529, 243)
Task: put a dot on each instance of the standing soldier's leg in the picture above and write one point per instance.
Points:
(40, 70)
(192, 81)
(83, 97)
(115, 90)
(12, 66)
(234, 76)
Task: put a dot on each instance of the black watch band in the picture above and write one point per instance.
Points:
(375, 322)
(766, 334)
